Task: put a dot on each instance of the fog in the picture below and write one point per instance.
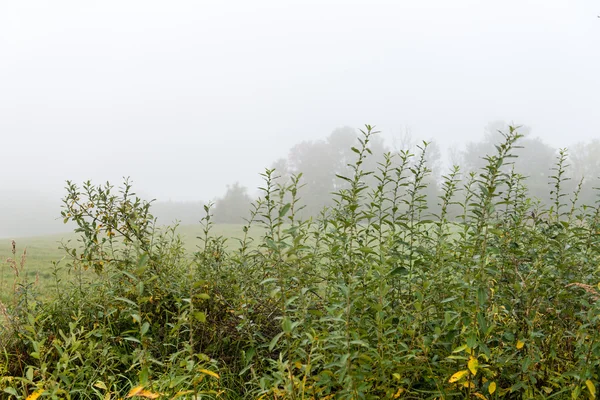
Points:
(187, 97)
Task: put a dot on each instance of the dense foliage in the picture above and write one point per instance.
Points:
(493, 296)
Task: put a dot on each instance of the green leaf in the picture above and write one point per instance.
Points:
(143, 260)
(268, 280)
(366, 250)
(399, 271)
(472, 341)
(481, 296)
(200, 316)
(143, 376)
(449, 299)
(482, 322)
(123, 299)
(284, 210)
(275, 340)
(145, 327)
(271, 243)
(460, 348)
(10, 390)
(142, 269)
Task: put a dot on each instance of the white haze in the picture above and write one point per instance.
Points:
(189, 96)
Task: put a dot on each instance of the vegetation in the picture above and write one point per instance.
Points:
(492, 295)
(45, 256)
(233, 206)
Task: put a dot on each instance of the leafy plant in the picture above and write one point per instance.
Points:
(491, 294)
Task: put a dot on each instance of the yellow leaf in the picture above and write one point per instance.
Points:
(458, 376)
(207, 372)
(479, 396)
(591, 388)
(520, 344)
(140, 392)
(134, 391)
(473, 365)
(100, 385)
(149, 395)
(469, 385)
(398, 393)
(547, 389)
(35, 395)
(182, 393)
(492, 388)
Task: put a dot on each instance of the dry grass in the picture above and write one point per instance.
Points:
(595, 295)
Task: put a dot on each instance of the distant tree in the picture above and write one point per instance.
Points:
(282, 169)
(404, 140)
(314, 160)
(585, 164)
(455, 155)
(473, 156)
(185, 212)
(320, 163)
(584, 159)
(234, 206)
(535, 159)
(340, 143)
(433, 161)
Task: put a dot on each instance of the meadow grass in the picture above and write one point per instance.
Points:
(43, 251)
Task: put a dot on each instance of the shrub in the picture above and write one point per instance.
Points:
(493, 296)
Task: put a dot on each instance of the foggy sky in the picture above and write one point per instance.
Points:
(189, 96)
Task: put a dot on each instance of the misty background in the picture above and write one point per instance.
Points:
(193, 99)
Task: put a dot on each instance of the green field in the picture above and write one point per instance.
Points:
(43, 251)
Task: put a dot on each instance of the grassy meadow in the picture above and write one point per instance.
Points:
(42, 252)
(492, 296)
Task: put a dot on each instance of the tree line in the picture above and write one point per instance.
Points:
(321, 162)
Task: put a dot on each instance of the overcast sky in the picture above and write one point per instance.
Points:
(189, 96)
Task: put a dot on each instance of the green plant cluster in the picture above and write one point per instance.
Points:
(492, 297)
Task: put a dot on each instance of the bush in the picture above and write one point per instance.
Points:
(494, 296)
